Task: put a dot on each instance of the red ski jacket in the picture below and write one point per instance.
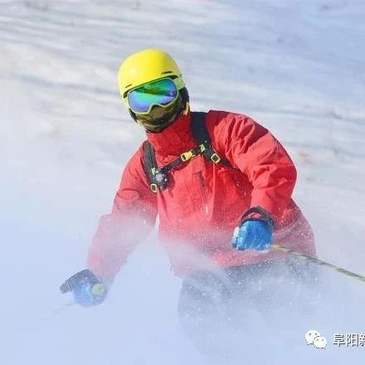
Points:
(203, 201)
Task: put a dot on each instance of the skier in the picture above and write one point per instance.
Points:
(220, 184)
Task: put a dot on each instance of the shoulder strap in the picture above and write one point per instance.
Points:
(157, 177)
(149, 162)
(200, 133)
(198, 127)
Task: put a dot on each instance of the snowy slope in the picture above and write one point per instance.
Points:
(296, 66)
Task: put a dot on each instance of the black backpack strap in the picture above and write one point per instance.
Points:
(150, 165)
(201, 135)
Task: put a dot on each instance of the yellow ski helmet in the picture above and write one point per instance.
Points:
(145, 66)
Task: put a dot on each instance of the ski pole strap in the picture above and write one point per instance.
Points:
(318, 261)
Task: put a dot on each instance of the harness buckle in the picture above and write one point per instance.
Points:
(154, 187)
(215, 158)
(188, 155)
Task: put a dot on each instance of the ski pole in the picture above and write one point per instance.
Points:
(318, 261)
(56, 311)
(47, 317)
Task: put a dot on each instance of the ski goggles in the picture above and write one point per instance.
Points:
(162, 92)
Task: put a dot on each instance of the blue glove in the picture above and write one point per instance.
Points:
(253, 234)
(86, 288)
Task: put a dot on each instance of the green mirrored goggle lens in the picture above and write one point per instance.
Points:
(161, 92)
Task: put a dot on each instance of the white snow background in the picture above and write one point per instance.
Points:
(298, 67)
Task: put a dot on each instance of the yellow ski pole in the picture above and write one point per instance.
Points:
(318, 261)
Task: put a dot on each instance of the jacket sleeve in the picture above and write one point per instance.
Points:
(132, 217)
(253, 150)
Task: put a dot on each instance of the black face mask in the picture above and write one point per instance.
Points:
(160, 118)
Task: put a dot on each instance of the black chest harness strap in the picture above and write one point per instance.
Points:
(159, 176)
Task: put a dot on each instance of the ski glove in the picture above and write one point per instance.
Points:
(254, 232)
(86, 288)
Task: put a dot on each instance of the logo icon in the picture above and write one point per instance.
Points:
(313, 337)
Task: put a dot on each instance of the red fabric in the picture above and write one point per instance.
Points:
(203, 202)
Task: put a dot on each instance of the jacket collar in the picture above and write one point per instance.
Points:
(173, 140)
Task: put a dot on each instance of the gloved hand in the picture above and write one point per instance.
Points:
(253, 234)
(86, 288)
